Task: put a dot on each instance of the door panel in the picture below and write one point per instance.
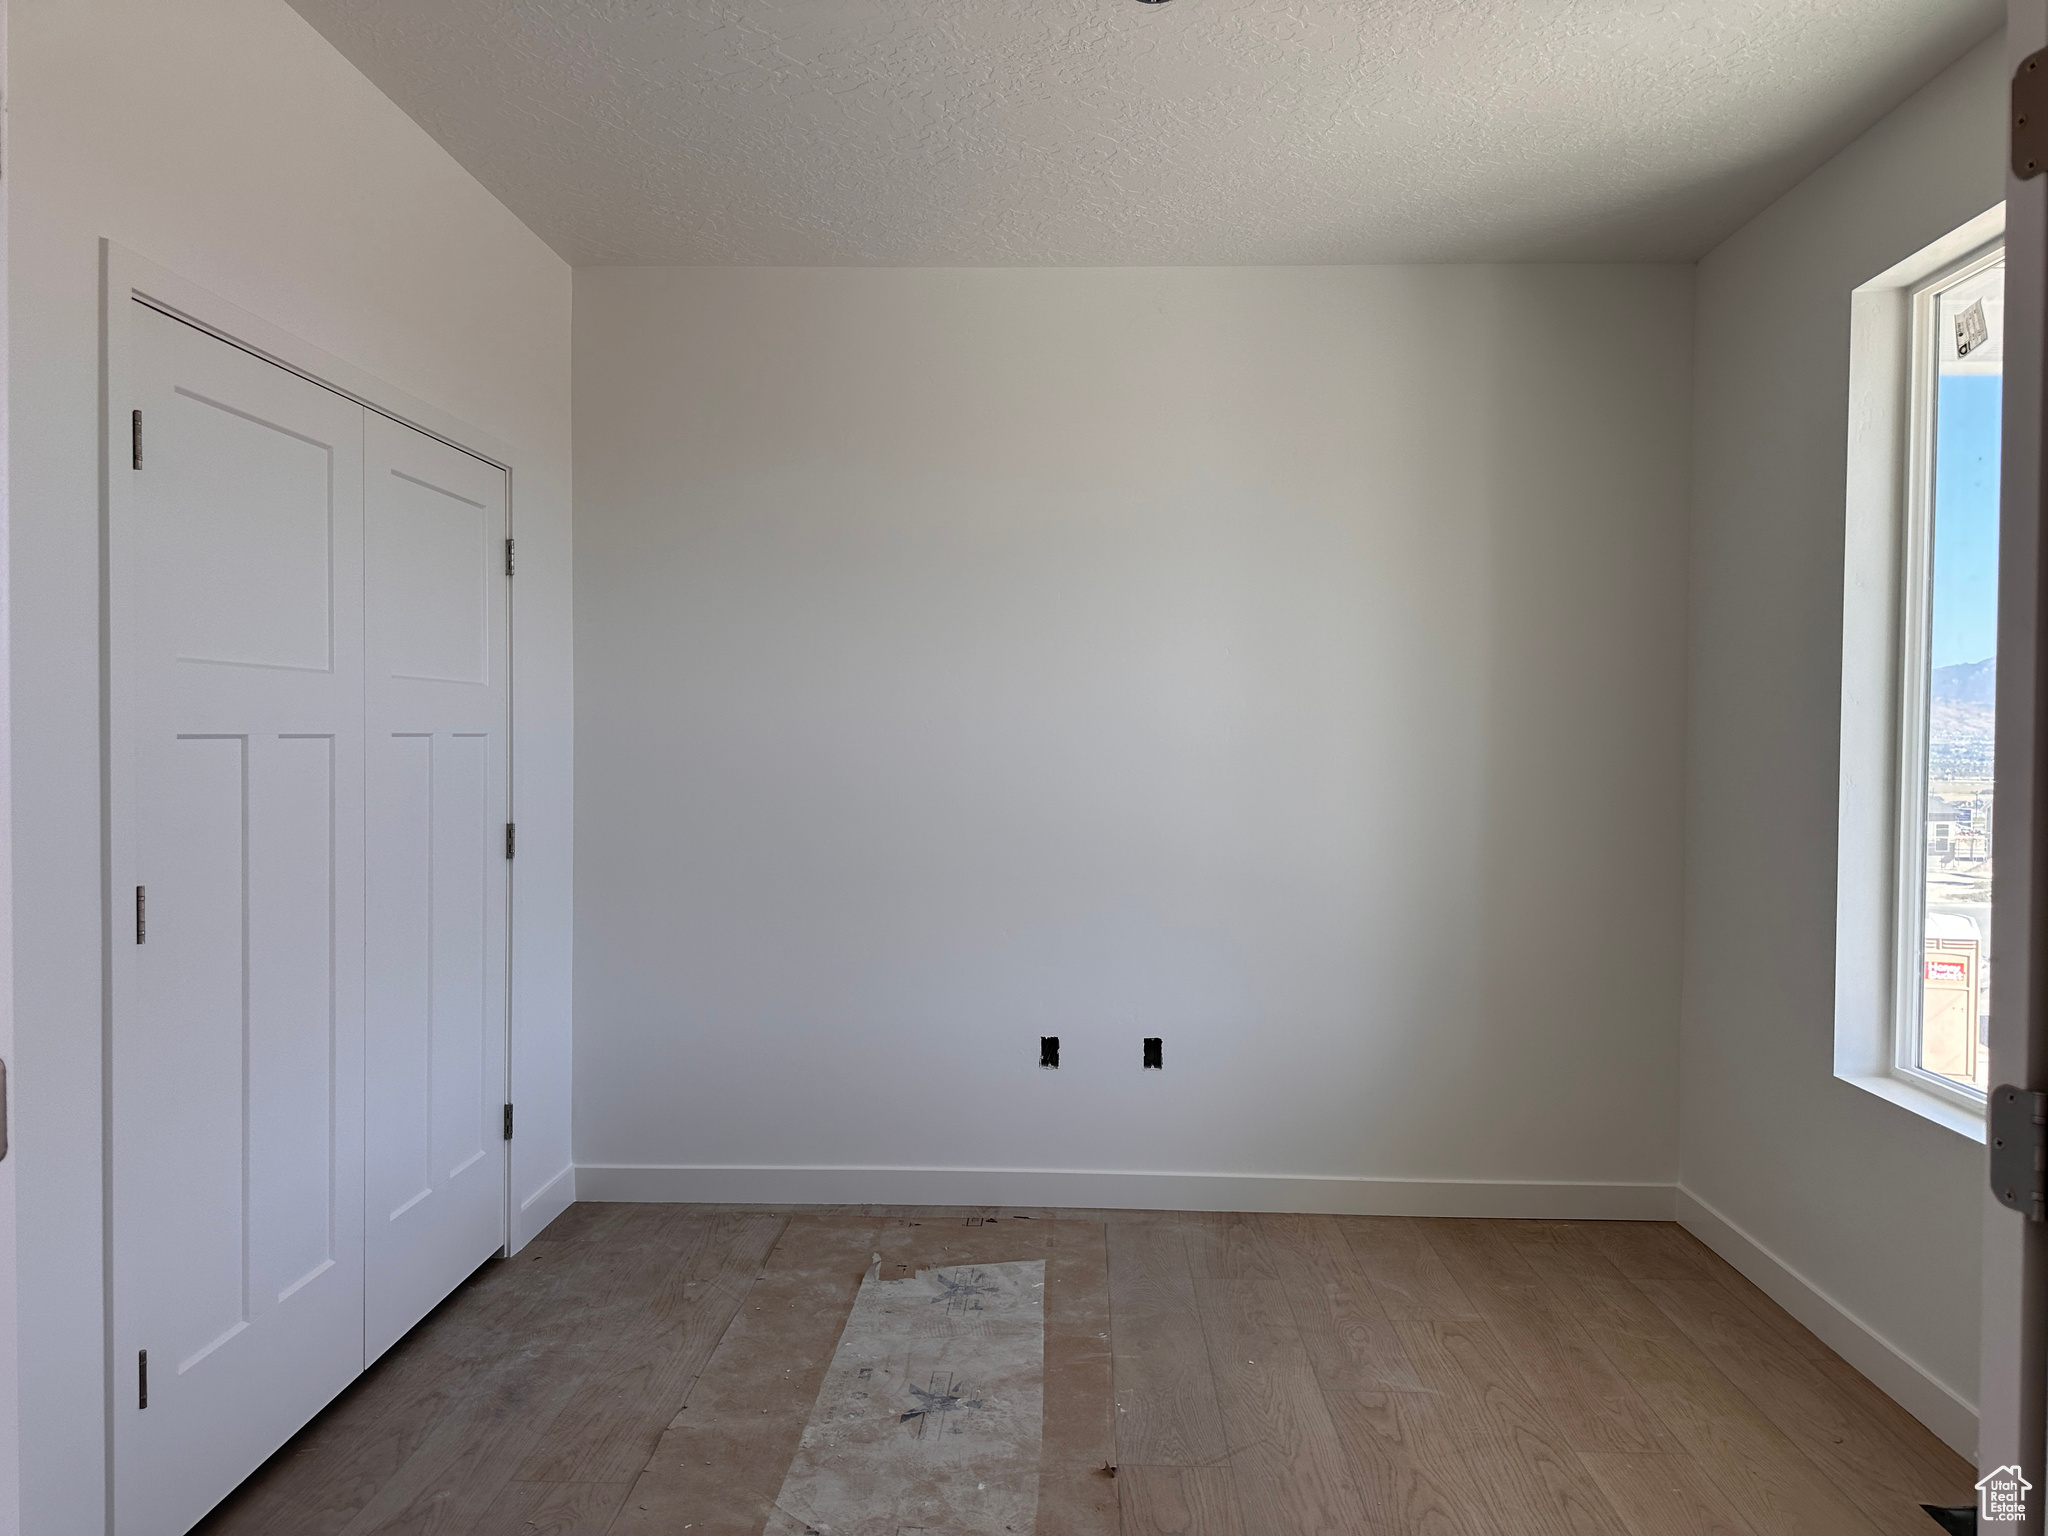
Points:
(436, 780)
(291, 817)
(235, 782)
(467, 1071)
(254, 568)
(401, 996)
(440, 564)
(200, 912)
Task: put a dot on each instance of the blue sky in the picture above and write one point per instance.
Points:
(1965, 619)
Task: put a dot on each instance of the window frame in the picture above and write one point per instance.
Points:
(1915, 674)
(1887, 446)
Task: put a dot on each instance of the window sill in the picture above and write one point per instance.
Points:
(1928, 1106)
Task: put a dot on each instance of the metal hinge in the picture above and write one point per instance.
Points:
(135, 439)
(508, 557)
(2019, 1150)
(141, 913)
(142, 1378)
(508, 1122)
(2030, 116)
(511, 837)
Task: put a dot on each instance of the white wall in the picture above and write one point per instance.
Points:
(224, 140)
(1286, 662)
(1873, 1207)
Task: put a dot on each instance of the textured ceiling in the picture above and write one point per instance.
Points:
(1105, 132)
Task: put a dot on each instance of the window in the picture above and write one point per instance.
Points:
(1917, 798)
(1948, 656)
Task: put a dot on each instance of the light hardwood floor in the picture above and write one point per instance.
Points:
(1272, 1374)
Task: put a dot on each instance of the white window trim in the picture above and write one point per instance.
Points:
(1915, 641)
(1880, 866)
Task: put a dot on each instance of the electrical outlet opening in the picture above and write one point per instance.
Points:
(1049, 1052)
(1154, 1059)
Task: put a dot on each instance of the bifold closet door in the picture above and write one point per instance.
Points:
(236, 948)
(308, 753)
(437, 606)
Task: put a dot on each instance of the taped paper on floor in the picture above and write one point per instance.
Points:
(930, 1417)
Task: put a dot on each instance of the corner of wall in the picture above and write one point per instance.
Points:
(1904, 1380)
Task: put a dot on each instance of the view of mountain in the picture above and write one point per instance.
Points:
(1962, 723)
(1967, 682)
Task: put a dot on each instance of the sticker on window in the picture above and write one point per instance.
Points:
(1971, 331)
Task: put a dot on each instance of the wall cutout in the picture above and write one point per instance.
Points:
(1049, 1052)
(1153, 1061)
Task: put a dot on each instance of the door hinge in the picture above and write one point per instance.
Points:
(142, 1378)
(141, 913)
(511, 837)
(135, 439)
(508, 557)
(2030, 116)
(508, 1122)
(2019, 1150)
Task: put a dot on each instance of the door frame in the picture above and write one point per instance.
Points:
(10, 1376)
(126, 278)
(2012, 1396)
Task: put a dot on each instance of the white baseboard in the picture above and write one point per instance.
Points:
(1930, 1400)
(542, 1207)
(1088, 1189)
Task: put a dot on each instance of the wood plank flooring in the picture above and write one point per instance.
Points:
(1261, 1376)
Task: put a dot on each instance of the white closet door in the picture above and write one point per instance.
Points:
(236, 752)
(437, 881)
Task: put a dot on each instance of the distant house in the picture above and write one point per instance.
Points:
(1958, 828)
(1945, 820)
